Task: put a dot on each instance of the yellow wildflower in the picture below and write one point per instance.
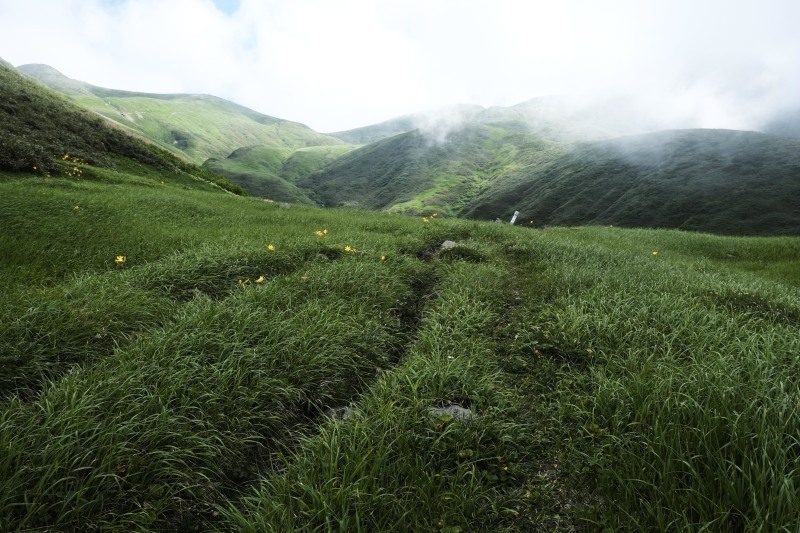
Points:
(319, 233)
(76, 208)
(425, 220)
(271, 247)
(261, 279)
(348, 249)
(324, 232)
(383, 258)
(120, 259)
(655, 253)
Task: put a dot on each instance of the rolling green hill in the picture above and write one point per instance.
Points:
(414, 173)
(195, 126)
(203, 128)
(272, 172)
(708, 180)
(556, 160)
(721, 181)
(43, 133)
(246, 367)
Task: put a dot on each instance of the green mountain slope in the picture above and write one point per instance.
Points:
(414, 173)
(204, 128)
(43, 133)
(709, 180)
(721, 181)
(174, 358)
(195, 126)
(272, 172)
(557, 118)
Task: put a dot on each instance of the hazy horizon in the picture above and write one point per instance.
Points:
(354, 63)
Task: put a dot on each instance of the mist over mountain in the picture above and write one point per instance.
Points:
(722, 181)
(558, 160)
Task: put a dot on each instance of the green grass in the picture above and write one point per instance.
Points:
(271, 172)
(169, 351)
(610, 387)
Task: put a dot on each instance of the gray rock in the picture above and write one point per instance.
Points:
(459, 414)
(339, 413)
(447, 245)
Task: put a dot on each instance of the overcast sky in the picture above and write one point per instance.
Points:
(340, 64)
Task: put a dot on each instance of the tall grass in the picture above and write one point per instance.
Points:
(186, 387)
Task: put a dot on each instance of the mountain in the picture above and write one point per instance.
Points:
(200, 128)
(414, 173)
(722, 181)
(440, 119)
(559, 118)
(557, 160)
(709, 180)
(41, 132)
(195, 126)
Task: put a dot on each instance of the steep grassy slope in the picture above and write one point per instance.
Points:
(710, 180)
(272, 172)
(185, 388)
(43, 133)
(195, 126)
(414, 172)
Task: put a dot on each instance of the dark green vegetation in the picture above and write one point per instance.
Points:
(414, 173)
(547, 159)
(272, 172)
(184, 388)
(711, 180)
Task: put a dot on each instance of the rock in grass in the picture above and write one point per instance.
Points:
(339, 413)
(447, 245)
(459, 413)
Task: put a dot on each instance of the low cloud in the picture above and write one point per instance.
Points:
(336, 66)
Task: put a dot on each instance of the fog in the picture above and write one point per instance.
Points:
(351, 63)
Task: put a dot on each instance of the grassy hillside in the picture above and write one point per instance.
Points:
(203, 128)
(415, 173)
(595, 377)
(195, 126)
(720, 181)
(710, 180)
(45, 134)
(272, 172)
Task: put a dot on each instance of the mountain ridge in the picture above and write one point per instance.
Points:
(557, 160)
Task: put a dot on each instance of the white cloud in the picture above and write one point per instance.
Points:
(343, 64)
